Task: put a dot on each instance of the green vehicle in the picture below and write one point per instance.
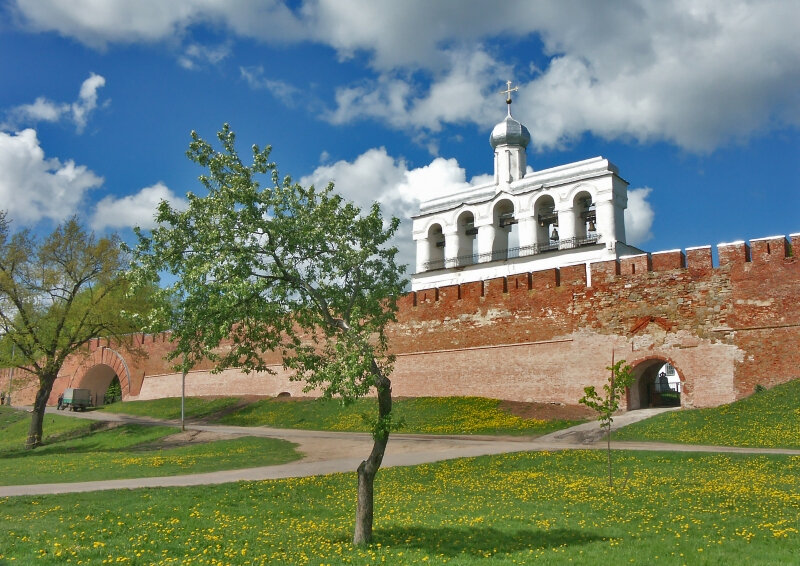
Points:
(75, 399)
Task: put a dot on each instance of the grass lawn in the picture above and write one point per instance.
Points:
(769, 419)
(14, 425)
(170, 407)
(78, 450)
(423, 415)
(527, 508)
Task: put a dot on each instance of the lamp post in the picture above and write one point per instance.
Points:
(183, 397)
(11, 375)
(183, 393)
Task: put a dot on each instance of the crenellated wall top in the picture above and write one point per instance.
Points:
(698, 260)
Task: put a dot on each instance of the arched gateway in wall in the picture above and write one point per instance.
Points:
(98, 371)
(652, 386)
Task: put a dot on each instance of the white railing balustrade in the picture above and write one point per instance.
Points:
(511, 253)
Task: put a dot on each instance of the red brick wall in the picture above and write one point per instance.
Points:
(545, 335)
(765, 313)
(725, 328)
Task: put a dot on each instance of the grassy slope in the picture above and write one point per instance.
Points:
(528, 508)
(77, 450)
(170, 407)
(424, 415)
(14, 424)
(767, 419)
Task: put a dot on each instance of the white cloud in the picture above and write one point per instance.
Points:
(283, 91)
(638, 217)
(698, 74)
(414, 34)
(134, 210)
(99, 22)
(196, 55)
(370, 177)
(87, 100)
(376, 176)
(463, 93)
(33, 187)
(44, 110)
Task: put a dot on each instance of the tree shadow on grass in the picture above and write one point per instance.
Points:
(478, 541)
(53, 449)
(81, 441)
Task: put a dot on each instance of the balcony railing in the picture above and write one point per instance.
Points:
(510, 253)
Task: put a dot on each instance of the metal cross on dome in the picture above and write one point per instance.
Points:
(508, 92)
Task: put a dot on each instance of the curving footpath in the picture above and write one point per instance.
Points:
(333, 452)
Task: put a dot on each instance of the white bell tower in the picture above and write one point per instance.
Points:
(521, 222)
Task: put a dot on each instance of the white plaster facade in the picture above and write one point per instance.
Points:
(521, 222)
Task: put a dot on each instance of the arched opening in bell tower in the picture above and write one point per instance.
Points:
(466, 239)
(656, 384)
(505, 236)
(546, 221)
(435, 247)
(585, 216)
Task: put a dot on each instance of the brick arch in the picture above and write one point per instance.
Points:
(658, 357)
(104, 356)
(640, 367)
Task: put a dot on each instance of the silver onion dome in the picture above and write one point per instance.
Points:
(510, 132)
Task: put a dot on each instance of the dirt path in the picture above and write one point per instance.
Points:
(332, 452)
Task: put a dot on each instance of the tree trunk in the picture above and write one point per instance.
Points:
(369, 467)
(610, 477)
(37, 416)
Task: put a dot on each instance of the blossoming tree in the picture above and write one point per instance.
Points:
(280, 267)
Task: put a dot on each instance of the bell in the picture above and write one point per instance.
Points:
(592, 227)
(554, 235)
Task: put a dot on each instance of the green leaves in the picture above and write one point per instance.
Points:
(55, 295)
(608, 404)
(58, 292)
(262, 263)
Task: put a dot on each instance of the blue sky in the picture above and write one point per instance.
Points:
(697, 103)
